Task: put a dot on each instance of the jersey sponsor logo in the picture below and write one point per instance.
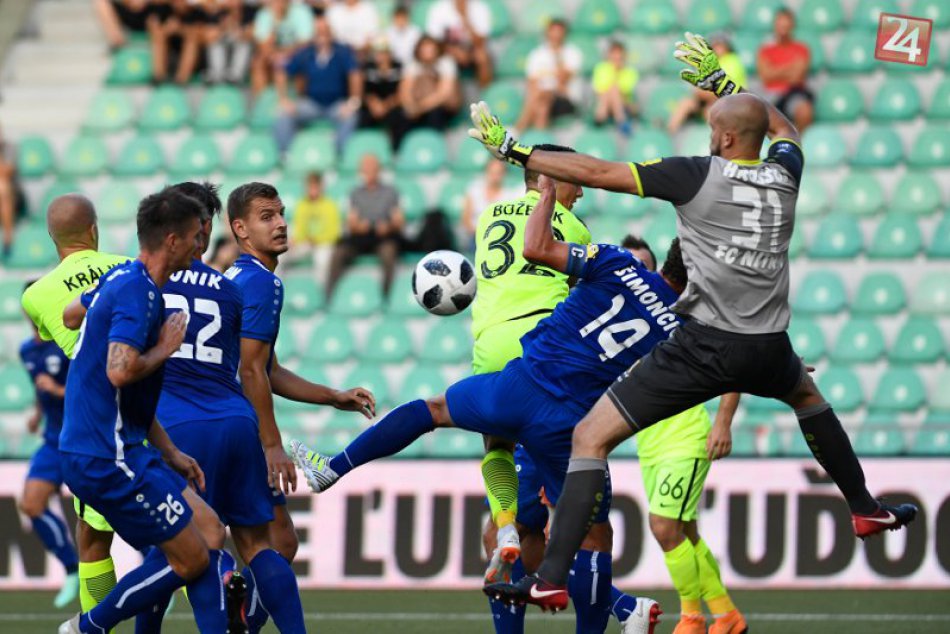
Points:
(654, 305)
(759, 260)
(210, 280)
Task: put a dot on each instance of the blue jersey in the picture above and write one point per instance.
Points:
(616, 314)
(263, 300)
(201, 378)
(46, 357)
(102, 420)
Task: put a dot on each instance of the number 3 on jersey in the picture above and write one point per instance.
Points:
(638, 329)
(502, 243)
(199, 350)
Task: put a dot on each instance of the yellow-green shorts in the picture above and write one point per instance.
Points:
(91, 516)
(499, 344)
(674, 487)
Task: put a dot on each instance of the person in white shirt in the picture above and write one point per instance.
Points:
(481, 193)
(463, 27)
(553, 86)
(402, 35)
(354, 23)
(429, 91)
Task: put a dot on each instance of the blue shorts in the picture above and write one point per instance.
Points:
(141, 498)
(46, 466)
(510, 404)
(532, 513)
(229, 452)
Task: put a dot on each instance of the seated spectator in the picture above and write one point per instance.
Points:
(229, 44)
(552, 70)
(8, 196)
(281, 28)
(402, 35)
(699, 100)
(429, 91)
(463, 27)
(354, 23)
(374, 224)
(117, 16)
(381, 77)
(332, 90)
(482, 193)
(783, 69)
(182, 28)
(316, 227)
(613, 83)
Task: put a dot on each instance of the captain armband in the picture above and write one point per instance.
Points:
(576, 259)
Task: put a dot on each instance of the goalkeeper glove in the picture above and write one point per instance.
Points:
(704, 70)
(497, 140)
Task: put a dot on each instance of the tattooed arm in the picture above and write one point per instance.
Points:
(127, 365)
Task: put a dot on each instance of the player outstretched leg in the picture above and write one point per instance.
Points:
(51, 530)
(501, 486)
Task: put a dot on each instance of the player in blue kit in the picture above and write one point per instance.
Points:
(47, 367)
(112, 392)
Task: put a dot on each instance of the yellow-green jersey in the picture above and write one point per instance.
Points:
(510, 287)
(677, 437)
(45, 299)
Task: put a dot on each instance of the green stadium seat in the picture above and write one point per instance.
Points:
(166, 109)
(339, 190)
(506, 101)
(916, 193)
(366, 142)
(932, 295)
(940, 244)
(58, 188)
(423, 381)
(590, 53)
(500, 17)
(303, 297)
(899, 390)
(264, 111)
(860, 194)
(919, 341)
(371, 377)
(940, 104)
(796, 245)
(759, 15)
(34, 157)
(140, 156)
(896, 100)
(868, 12)
(402, 302)
(649, 143)
(878, 146)
(10, 292)
(879, 294)
(131, 65)
(85, 156)
(533, 16)
(515, 55)
(32, 249)
(931, 442)
(448, 341)
(118, 202)
(757, 405)
(197, 156)
(795, 446)
(820, 293)
(808, 339)
(654, 16)
(287, 347)
(412, 198)
(839, 100)
(940, 399)
(820, 15)
(708, 16)
(896, 237)
(256, 154)
(29, 444)
(663, 100)
(452, 195)
(854, 54)
(936, 418)
(812, 197)
(659, 232)
(110, 110)
(931, 148)
(357, 296)
(859, 341)
(936, 10)
(693, 140)
(330, 342)
(454, 444)
(879, 442)
(388, 342)
(222, 108)
(596, 17)
(747, 45)
(842, 388)
(838, 237)
(816, 48)
(291, 191)
(334, 440)
(17, 389)
(824, 146)
(312, 151)
(422, 151)
(601, 143)
(625, 206)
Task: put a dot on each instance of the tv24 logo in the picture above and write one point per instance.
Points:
(903, 38)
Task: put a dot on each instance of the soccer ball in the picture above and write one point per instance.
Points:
(444, 282)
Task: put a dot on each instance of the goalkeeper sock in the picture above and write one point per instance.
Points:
(396, 431)
(509, 619)
(276, 586)
(589, 588)
(684, 571)
(96, 581)
(710, 583)
(621, 604)
(501, 485)
(53, 533)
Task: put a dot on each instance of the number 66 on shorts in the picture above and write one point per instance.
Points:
(674, 487)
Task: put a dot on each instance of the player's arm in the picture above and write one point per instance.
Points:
(33, 420)
(296, 388)
(540, 245)
(46, 383)
(175, 458)
(719, 441)
(74, 313)
(125, 363)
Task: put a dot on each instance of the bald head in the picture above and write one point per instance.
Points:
(740, 123)
(71, 221)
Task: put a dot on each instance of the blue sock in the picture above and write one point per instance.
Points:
(589, 586)
(509, 619)
(621, 604)
(396, 431)
(149, 621)
(254, 612)
(276, 587)
(53, 533)
(206, 595)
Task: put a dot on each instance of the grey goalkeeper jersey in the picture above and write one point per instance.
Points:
(735, 222)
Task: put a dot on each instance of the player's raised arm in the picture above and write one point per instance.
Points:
(125, 364)
(540, 245)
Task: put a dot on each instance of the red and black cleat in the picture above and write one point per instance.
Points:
(235, 592)
(886, 518)
(530, 589)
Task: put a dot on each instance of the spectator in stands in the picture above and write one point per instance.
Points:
(552, 70)
(281, 28)
(463, 27)
(316, 226)
(8, 196)
(783, 69)
(183, 28)
(229, 44)
(429, 91)
(117, 16)
(699, 100)
(354, 23)
(481, 193)
(402, 35)
(332, 90)
(374, 224)
(613, 83)
(223, 253)
(381, 77)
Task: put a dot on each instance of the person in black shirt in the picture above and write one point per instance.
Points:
(382, 74)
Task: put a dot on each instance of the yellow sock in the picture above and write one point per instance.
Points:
(501, 485)
(684, 571)
(710, 582)
(96, 580)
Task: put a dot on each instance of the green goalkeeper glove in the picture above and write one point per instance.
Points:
(497, 140)
(704, 70)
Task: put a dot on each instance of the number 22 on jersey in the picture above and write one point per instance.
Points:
(199, 350)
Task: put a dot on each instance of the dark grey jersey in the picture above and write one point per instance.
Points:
(735, 222)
